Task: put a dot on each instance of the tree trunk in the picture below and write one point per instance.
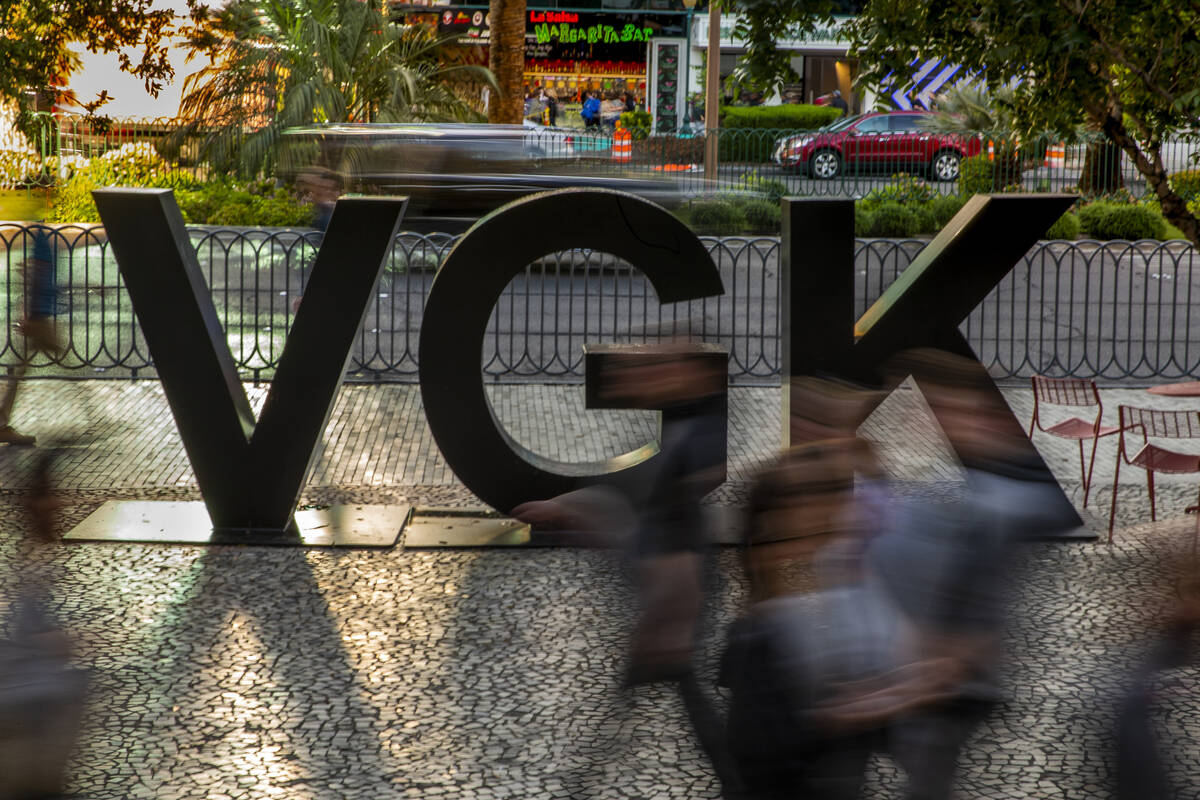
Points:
(506, 59)
(1150, 165)
(1101, 169)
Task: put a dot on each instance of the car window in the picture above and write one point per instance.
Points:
(841, 123)
(907, 122)
(873, 125)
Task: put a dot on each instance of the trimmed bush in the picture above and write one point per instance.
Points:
(719, 217)
(978, 175)
(748, 133)
(790, 116)
(892, 219)
(944, 207)
(1186, 184)
(762, 216)
(1106, 221)
(1066, 228)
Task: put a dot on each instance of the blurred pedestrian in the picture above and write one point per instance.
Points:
(835, 100)
(591, 110)
(669, 539)
(41, 693)
(800, 642)
(611, 109)
(37, 327)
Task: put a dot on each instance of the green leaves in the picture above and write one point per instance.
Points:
(284, 63)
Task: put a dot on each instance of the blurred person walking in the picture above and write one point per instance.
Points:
(37, 326)
(669, 539)
(41, 693)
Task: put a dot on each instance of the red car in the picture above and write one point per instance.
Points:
(893, 141)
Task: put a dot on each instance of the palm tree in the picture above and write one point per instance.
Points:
(506, 57)
(971, 110)
(276, 64)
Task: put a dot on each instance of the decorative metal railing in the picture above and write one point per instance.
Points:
(1109, 310)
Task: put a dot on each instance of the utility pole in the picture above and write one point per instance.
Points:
(712, 88)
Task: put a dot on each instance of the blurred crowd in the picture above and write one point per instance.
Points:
(874, 623)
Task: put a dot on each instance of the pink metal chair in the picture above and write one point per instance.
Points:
(1153, 423)
(1073, 392)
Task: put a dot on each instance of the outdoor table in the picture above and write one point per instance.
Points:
(1185, 389)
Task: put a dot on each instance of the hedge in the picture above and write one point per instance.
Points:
(791, 116)
(748, 133)
(1122, 221)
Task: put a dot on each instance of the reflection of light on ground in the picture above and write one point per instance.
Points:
(244, 719)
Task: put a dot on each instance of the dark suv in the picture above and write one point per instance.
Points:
(894, 141)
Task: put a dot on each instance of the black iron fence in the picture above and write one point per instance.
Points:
(846, 163)
(1111, 310)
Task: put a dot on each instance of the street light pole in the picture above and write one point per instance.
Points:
(712, 86)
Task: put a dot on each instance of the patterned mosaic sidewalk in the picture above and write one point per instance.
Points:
(252, 672)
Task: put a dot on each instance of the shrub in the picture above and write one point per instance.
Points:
(1121, 221)
(19, 168)
(130, 165)
(1186, 184)
(944, 207)
(717, 216)
(975, 175)
(925, 221)
(762, 216)
(769, 188)
(904, 189)
(1066, 227)
(791, 116)
(864, 221)
(892, 219)
(637, 123)
(224, 203)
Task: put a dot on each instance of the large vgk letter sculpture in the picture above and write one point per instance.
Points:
(475, 445)
(250, 474)
(924, 306)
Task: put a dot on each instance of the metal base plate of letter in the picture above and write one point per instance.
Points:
(161, 522)
(459, 527)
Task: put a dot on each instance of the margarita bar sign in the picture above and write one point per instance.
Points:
(565, 27)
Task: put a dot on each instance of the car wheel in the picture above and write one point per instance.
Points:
(945, 166)
(825, 164)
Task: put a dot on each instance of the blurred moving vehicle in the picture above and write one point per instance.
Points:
(455, 173)
(892, 141)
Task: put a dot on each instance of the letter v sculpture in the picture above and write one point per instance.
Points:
(250, 473)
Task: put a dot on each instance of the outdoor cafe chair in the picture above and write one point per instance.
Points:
(1152, 423)
(1072, 392)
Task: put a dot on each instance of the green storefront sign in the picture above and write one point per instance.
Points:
(567, 33)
